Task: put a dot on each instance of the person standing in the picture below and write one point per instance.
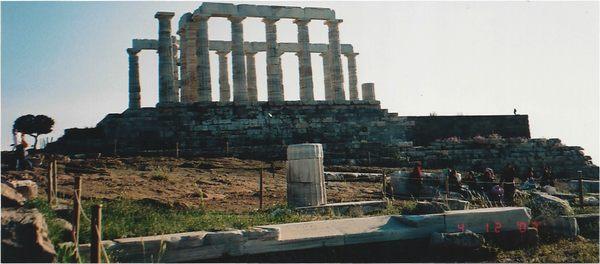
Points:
(508, 183)
(416, 180)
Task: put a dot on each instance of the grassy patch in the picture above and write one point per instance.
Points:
(565, 250)
(585, 210)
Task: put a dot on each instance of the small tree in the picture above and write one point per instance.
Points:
(34, 126)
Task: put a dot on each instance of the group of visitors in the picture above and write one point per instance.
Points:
(487, 183)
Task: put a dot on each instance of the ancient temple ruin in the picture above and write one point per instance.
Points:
(184, 64)
(188, 121)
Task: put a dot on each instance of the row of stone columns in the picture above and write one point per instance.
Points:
(195, 64)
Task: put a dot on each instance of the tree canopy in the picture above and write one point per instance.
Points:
(34, 125)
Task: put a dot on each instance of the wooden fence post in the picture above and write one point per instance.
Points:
(273, 169)
(260, 188)
(55, 181)
(50, 183)
(447, 186)
(76, 214)
(96, 250)
(580, 189)
(383, 176)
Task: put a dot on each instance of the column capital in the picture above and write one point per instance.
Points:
(302, 22)
(333, 22)
(236, 19)
(250, 53)
(350, 55)
(222, 52)
(198, 18)
(164, 15)
(132, 51)
(323, 54)
(270, 20)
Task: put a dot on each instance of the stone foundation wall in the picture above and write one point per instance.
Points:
(352, 132)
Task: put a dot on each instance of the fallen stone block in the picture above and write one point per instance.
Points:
(522, 238)
(27, 188)
(25, 236)
(362, 207)
(558, 226)
(455, 204)
(588, 224)
(588, 186)
(548, 205)
(460, 240)
(10, 197)
(429, 208)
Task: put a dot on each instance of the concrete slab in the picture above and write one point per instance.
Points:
(365, 207)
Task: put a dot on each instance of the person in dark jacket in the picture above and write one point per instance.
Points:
(547, 177)
(415, 180)
(508, 183)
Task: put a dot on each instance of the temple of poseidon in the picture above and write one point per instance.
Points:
(353, 130)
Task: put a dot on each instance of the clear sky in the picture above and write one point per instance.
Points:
(68, 60)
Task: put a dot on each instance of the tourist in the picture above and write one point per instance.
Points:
(508, 182)
(416, 180)
(454, 181)
(470, 180)
(22, 162)
(547, 177)
(488, 180)
(529, 174)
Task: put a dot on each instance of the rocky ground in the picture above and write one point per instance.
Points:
(223, 184)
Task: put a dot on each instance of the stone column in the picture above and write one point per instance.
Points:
(203, 60)
(335, 59)
(134, 79)
(274, 71)
(165, 58)
(352, 78)
(304, 60)
(176, 64)
(368, 91)
(224, 89)
(305, 177)
(329, 94)
(251, 76)
(191, 61)
(240, 90)
(183, 44)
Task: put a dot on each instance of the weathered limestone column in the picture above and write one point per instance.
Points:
(240, 90)
(165, 58)
(203, 60)
(304, 60)
(251, 76)
(176, 63)
(368, 91)
(134, 79)
(352, 78)
(305, 179)
(274, 71)
(183, 44)
(224, 89)
(191, 61)
(335, 59)
(329, 94)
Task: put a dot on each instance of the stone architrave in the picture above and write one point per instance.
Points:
(203, 85)
(251, 76)
(274, 71)
(165, 58)
(240, 90)
(352, 76)
(335, 59)
(304, 61)
(329, 94)
(224, 88)
(134, 79)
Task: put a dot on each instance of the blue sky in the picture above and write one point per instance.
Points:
(68, 60)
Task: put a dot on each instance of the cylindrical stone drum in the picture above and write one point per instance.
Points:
(305, 179)
(368, 91)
